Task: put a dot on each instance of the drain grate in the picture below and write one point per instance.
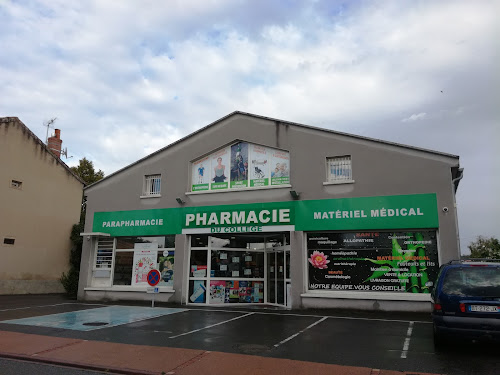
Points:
(95, 324)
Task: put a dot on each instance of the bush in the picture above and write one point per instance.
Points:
(70, 282)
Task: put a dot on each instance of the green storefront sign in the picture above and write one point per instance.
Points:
(383, 212)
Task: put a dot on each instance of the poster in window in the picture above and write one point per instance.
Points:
(217, 291)
(200, 175)
(220, 169)
(166, 268)
(258, 166)
(404, 262)
(198, 295)
(144, 261)
(280, 167)
(239, 165)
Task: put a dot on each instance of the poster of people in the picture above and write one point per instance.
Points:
(373, 261)
(239, 165)
(144, 261)
(200, 178)
(280, 167)
(220, 169)
(166, 268)
(258, 171)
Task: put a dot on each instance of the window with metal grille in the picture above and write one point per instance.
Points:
(339, 169)
(152, 185)
(104, 253)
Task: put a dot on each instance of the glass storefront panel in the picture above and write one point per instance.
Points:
(124, 261)
(233, 267)
(234, 291)
(404, 262)
(229, 264)
(136, 256)
(197, 291)
(198, 264)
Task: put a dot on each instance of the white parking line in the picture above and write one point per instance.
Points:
(298, 333)
(210, 326)
(34, 307)
(313, 316)
(406, 345)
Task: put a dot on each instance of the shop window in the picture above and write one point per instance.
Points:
(152, 185)
(14, 184)
(339, 169)
(234, 264)
(124, 261)
(104, 253)
(136, 256)
(402, 262)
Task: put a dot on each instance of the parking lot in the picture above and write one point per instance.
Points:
(374, 340)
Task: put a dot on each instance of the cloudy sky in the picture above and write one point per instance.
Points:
(125, 78)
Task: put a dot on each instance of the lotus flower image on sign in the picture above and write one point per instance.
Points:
(319, 260)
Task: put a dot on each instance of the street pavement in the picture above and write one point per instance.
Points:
(132, 338)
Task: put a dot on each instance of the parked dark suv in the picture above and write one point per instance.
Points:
(466, 300)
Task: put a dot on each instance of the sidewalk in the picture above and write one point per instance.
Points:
(138, 359)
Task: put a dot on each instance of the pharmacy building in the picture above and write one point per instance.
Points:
(251, 210)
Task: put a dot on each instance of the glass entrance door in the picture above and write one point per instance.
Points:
(278, 275)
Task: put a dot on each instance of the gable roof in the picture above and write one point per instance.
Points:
(25, 129)
(276, 121)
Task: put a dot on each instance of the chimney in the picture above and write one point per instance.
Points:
(55, 143)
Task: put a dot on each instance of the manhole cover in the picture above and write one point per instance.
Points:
(95, 324)
(252, 348)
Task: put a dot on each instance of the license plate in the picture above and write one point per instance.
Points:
(484, 308)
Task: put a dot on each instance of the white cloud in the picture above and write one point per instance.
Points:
(415, 117)
(145, 74)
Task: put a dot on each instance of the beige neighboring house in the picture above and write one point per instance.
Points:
(40, 201)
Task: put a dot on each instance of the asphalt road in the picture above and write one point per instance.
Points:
(399, 342)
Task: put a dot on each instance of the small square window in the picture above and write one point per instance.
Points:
(152, 185)
(16, 184)
(9, 241)
(339, 169)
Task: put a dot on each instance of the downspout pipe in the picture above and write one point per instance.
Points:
(454, 184)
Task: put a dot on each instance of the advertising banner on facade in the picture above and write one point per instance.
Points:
(259, 166)
(367, 213)
(201, 173)
(241, 166)
(220, 169)
(373, 261)
(280, 167)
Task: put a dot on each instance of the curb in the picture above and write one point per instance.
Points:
(78, 365)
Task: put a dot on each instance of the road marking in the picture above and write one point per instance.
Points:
(313, 316)
(210, 326)
(298, 333)
(34, 307)
(406, 345)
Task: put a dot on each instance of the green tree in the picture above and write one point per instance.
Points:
(483, 247)
(87, 173)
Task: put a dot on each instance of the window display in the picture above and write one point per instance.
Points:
(237, 264)
(136, 256)
(373, 261)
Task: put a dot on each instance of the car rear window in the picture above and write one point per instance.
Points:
(473, 281)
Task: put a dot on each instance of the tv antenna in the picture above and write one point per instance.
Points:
(49, 124)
